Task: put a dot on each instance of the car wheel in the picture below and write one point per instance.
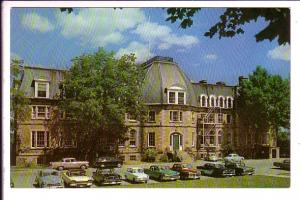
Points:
(60, 168)
(83, 167)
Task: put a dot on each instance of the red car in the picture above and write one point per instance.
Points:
(186, 171)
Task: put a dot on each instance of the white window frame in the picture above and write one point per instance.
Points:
(205, 103)
(149, 116)
(210, 98)
(180, 113)
(149, 139)
(229, 97)
(46, 142)
(180, 141)
(36, 83)
(34, 112)
(176, 90)
(135, 139)
(219, 99)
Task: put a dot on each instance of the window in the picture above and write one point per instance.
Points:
(151, 116)
(151, 139)
(228, 119)
(212, 101)
(121, 142)
(132, 157)
(40, 139)
(229, 102)
(211, 118)
(176, 97)
(171, 97)
(221, 102)
(220, 137)
(41, 89)
(132, 138)
(175, 116)
(203, 101)
(181, 98)
(220, 118)
(40, 112)
(131, 117)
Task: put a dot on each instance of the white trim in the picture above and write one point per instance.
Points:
(176, 96)
(205, 102)
(229, 97)
(210, 98)
(35, 141)
(219, 104)
(36, 89)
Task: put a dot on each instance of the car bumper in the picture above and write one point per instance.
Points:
(111, 182)
(170, 178)
(141, 180)
(80, 185)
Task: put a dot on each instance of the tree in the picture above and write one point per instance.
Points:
(99, 90)
(232, 20)
(264, 103)
(19, 106)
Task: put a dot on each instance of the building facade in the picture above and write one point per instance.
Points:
(184, 116)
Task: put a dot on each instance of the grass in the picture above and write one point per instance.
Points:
(256, 181)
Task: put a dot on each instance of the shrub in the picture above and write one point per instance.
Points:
(149, 155)
(164, 158)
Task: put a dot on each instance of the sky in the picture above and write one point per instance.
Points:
(50, 38)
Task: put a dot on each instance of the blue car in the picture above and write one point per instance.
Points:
(48, 178)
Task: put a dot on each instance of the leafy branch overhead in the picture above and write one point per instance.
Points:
(232, 21)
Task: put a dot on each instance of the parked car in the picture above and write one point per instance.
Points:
(186, 171)
(240, 168)
(162, 173)
(136, 175)
(108, 162)
(213, 158)
(106, 177)
(48, 178)
(215, 169)
(76, 178)
(69, 163)
(285, 164)
(233, 157)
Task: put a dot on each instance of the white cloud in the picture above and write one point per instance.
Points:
(35, 22)
(210, 57)
(163, 37)
(99, 26)
(282, 52)
(140, 50)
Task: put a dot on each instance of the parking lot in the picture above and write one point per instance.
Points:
(24, 177)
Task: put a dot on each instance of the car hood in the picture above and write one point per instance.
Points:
(168, 172)
(140, 175)
(51, 179)
(80, 178)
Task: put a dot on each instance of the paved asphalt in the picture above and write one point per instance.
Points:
(23, 177)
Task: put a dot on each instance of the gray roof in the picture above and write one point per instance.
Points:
(31, 74)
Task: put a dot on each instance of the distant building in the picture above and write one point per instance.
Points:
(196, 118)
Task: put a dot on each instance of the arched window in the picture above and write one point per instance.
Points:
(203, 101)
(221, 102)
(132, 138)
(229, 102)
(212, 101)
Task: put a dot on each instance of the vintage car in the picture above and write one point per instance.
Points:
(162, 173)
(136, 175)
(108, 162)
(213, 158)
(240, 168)
(233, 158)
(48, 178)
(106, 177)
(283, 165)
(76, 178)
(186, 171)
(69, 163)
(215, 169)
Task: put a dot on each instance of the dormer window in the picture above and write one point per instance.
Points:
(176, 96)
(41, 89)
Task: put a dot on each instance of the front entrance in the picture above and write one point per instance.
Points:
(176, 141)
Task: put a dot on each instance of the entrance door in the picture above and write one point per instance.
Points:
(273, 153)
(175, 142)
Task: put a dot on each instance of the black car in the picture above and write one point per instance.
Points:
(215, 170)
(283, 165)
(106, 177)
(108, 162)
(240, 168)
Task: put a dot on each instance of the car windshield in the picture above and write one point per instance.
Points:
(137, 170)
(53, 173)
(77, 173)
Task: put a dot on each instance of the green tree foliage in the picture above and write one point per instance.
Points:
(232, 21)
(264, 102)
(19, 105)
(99, 90)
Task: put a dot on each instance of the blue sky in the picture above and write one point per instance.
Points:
(50, 38)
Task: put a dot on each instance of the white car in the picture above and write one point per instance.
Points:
(76, 178)
(136, 175)
(233, 157)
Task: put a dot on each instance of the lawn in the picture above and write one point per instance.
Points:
(231, 182)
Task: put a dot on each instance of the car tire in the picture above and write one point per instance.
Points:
(83, 167)
(60, 168)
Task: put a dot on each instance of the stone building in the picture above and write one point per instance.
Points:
(184, 116)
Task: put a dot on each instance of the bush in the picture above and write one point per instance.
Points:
(149, 155)
(164, 158)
